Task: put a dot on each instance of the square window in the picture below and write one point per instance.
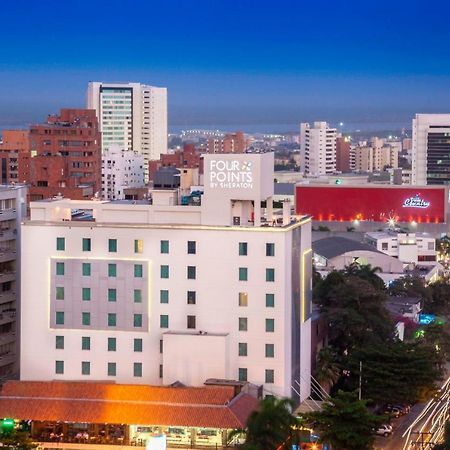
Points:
(86, 269)
(111, 369)
(138, 270)
(138, 345)
(191, 247)
(243, 248)
(164, 296)
(112, 270)
(191, 322)
(59, 367)
(164, 271)
(270, 249)
(59, 342)
(86, 245)
(270, 300)
(85, 343)
(85, 368)
(269, 376)
(60, 243)
(191, 297)
(59, 293)
(242, 374)
(86, 294)
(137, 296)
(270, 350)
(270, 274)
(243, 274)
(243, 324)
(242, 349)
(112, 319)
(243, 299)
(112, 344)
(164, 246)
(137, 320)
(191, 272)
(59, 268)
(138, 246)
(86, 318)
(270, 325)
(112, 245)
(112, 295)
(137, 369)
(164, 321)
(59, 318)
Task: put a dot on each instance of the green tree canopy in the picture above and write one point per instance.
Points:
(346, 423)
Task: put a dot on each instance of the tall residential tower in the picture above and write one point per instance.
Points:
(132, 116)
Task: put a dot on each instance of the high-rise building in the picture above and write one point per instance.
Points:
(121, 169)
(431, 149)
(317, 149)
(132, 116)
(65, 156)
(154, 292)
(230, 143)
(14, 156)
(13, 208)
(343, 154)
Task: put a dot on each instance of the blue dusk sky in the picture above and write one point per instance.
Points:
(231, 62)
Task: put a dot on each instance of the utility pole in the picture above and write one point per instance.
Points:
(360, 380)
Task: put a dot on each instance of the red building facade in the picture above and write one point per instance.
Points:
(66, 156)
(342, 155)
(422, 204)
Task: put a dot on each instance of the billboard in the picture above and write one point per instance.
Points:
(422, 204)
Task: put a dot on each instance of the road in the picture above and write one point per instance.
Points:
(422, 427)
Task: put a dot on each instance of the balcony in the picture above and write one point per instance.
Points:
(7, 316)
(7, 337)
(8, 214)
(7, 276)
(8, 358)
(7, 235)
(7, 296)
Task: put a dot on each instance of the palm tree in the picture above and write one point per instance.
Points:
(271, 426)
(366, 272)
(328, 370)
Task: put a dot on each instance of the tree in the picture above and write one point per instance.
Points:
(436, 338)
(397, 371)
(17, 440)
(345, 423)
(439, 303)
(355, 312)
(366, 272)
(410, 286)
(270, 427)
(328, 371)
(446, 444)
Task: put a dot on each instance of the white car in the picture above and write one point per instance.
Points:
(384, 430)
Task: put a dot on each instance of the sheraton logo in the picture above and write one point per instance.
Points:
(232, 174)
(416, 202)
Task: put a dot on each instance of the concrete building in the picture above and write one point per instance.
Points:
(157, 292)
(65, 156)
(375, 157)
(12, 211)
(15, 156)
(317, 149)
(343, 163)
(431, 149)
(132, 116)
(121, 169)
(363, 159)
(229, 143)
(415, 248)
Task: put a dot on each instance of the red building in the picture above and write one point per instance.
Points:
(188, 158)
(342, 155)
(66, 156)
(230, 143)
(14, 157)
(374, 203)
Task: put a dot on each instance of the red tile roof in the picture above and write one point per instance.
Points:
(209, 407)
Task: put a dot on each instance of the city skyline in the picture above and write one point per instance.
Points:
(259, 65)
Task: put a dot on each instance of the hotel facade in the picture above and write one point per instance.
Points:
(153, 292)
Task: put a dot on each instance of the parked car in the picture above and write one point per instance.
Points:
(393, 411)
(384, 430)
(404, 408)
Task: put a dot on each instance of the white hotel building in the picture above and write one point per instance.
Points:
(153, 293)
(132, 116)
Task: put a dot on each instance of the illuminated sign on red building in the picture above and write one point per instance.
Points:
(422, 204)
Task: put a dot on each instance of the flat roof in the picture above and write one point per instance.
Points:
(97, 402)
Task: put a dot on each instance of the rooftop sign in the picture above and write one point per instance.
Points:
(233, 174)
